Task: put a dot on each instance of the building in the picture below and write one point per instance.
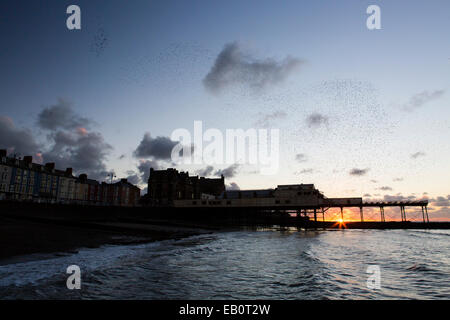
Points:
(23, 180)
(166, 186)
(284, 196)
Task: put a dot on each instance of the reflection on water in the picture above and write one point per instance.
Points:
(248, 264)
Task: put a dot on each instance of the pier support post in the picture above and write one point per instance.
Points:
(402, 213)
(361, 212)
(323, 215)
(315, 215)
(382, 214)
(426, 212)
(423, 214)
(342, 214)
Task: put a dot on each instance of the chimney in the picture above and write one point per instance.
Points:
(2, 153)
(69, 172)
(83, 176)
(50, 165)
(123, 180)
(28, 159)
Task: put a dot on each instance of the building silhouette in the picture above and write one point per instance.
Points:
(23, 180)
(166, 186)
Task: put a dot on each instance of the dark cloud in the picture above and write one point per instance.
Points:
(233, 67)
(16, 140)
(61, 116)
(121, 157)
(266, 120)
(398, 197)
(358, 172)
(301, 157)
(159, 148)
(440, 201)
(232, 186)
(367, 195)
(133, 178)
(205, 172)
(70, 142)
(144, 168)
(422, 98)
(418, 154)
(228, 172)
(315, 120)
(83, 151)
(385, 188)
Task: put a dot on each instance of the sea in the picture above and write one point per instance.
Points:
(269, 263)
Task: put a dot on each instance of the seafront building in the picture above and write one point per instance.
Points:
(23, 180)
(166, 186)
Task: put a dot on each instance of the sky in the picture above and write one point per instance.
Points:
(360, 112)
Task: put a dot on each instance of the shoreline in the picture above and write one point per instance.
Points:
(27, 229)
(22, 239)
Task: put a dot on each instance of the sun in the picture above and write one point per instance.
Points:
(340, 224)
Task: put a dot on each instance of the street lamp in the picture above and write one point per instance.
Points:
(111, 176)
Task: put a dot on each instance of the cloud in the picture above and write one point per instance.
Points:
(374, 181)
(358, 172)
(301, 157)
(159, 148)
(17, 140)
(61, 116)
(232, 186)
(418, 154)
(398, 179)
(85, 153)
(306, 171)
(144, 168)
(234, 67)
(398, 197)
(228, 172)
(385, 188)
(205, 172)
(367, 195)
(422, 98)
(440, 201)
(133, 178)
(315, 120)
(71, 144)
(265, 120)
